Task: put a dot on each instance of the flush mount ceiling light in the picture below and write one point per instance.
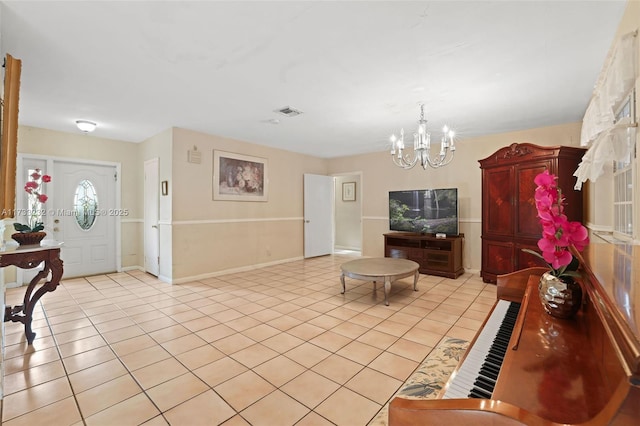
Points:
(86, 126)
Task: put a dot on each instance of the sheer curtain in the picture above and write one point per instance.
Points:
(607, 139)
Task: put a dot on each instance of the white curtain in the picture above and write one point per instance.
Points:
(613, 144)
(609, 141)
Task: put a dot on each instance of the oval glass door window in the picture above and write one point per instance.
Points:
(85, 204)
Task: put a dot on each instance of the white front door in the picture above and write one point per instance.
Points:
(151, 216)
(318, 215)
(84, 215)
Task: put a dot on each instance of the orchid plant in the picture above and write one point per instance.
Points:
(36, 198)
(558, 233)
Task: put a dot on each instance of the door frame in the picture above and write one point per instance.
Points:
(360, 192)
(50, 160)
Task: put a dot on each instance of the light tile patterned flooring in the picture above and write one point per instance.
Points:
(273, 346)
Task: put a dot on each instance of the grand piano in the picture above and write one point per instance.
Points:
(549, 371)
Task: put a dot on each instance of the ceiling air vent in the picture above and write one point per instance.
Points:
(289, 111)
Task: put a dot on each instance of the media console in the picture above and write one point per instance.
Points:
(436, 256)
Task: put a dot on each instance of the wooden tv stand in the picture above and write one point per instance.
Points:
(436, 256)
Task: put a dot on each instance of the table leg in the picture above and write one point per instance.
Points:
(343, 286)
(415, 281)
(387, 289)
(24, 313)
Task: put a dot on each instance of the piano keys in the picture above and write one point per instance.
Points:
(584, 370)
(477, 375)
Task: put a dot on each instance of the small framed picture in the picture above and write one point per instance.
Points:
(349, 191)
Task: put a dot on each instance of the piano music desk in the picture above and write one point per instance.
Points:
(385, 269)
(27, 258)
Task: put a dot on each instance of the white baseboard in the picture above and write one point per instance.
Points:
(226, 271)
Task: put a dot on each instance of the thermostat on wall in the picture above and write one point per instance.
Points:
(438, 235)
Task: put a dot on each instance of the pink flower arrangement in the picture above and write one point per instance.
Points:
(36, 197)
(558, 233)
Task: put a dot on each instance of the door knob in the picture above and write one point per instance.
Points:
(307, 221)
(154, 226)
(56, 221)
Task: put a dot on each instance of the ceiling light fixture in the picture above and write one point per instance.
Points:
(422, 147)
(86, 126)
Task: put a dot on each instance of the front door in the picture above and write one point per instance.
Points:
(84, 216)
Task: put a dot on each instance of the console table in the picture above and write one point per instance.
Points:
(436, 256)
(29, 258)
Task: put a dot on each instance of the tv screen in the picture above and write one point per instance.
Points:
(424, 211)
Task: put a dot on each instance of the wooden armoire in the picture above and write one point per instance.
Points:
(509, 216)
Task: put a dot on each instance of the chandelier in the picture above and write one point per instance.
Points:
(422, 147)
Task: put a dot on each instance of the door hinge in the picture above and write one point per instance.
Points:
(115, 176)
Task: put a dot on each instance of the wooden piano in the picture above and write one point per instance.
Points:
(582, 371)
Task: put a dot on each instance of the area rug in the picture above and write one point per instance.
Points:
(430, 376)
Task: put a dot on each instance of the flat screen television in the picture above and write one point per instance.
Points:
(424, 211)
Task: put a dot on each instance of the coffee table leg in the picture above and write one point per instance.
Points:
(387, 289)
(343, 286)
(415, 281)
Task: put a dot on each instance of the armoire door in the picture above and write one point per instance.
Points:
(497, 202)
(527, 222)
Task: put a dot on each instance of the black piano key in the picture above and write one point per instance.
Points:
(490, 371)
(487, 381)
(483, 393)
(476, 394)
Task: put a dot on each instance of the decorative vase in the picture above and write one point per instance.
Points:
(560, 297)
(29, 238)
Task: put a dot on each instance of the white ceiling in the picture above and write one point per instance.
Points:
(357, 69)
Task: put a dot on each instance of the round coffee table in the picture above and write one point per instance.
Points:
(386, 269)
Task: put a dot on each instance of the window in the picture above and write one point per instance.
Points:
(623, 177)
(85, 203)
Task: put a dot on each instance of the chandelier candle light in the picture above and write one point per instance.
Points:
(422, 147)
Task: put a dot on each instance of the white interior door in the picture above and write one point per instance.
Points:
(318, 215)
(84, 217)
(151, 216)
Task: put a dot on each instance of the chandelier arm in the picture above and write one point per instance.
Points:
(404, 161)
(437, 161)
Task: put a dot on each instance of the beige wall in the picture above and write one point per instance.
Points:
(380, 175)
(212, 236)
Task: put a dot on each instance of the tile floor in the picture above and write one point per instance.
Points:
(273, 346)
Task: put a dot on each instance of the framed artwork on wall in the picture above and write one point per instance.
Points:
(349, 191)
(238, 177)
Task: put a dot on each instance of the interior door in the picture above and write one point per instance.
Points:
(318, 215)
(84, 217)
(151, 216)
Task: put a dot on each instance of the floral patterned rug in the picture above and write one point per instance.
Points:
(429, 378)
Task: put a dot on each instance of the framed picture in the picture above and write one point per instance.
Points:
(349, 191)
(238, 177)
